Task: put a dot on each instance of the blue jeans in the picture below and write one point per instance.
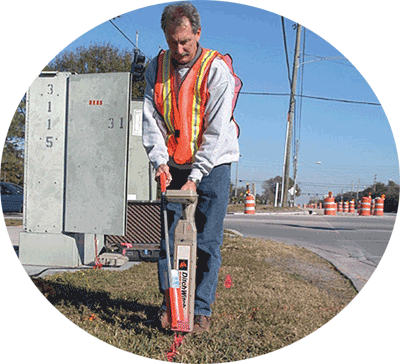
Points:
(213, 191)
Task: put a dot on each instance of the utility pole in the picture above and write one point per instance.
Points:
(296, 153)
(236, 182)
(276, 195)
(286, 167)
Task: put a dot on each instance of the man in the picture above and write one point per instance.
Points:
(189, 134)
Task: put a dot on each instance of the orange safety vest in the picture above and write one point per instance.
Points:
(183, 109)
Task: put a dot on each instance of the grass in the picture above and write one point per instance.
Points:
(279, 295)
(13, 222)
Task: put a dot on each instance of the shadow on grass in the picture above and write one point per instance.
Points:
(100, 303)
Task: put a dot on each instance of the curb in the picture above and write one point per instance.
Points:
(270, 213)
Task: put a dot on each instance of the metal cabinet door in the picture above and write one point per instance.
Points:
(96, 153)
(46, 104)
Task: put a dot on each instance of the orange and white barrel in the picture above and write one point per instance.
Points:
(346, 206)
(372, 206)
(329, 205)
(249, 205)
(365, 208)
(340, 206)
(379, 204)
(352, 206)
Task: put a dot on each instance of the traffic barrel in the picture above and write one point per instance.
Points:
(370, 200)
(365, 208)
(329, 205)
(372, 206)
(379, 203)
(340, 206)
(352, 206)
(346, 206)
(249, 205)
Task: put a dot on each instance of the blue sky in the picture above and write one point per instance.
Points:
(354, 142)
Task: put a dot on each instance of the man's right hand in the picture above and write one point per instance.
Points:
(163, 168)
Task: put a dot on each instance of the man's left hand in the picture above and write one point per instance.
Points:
(189, 186)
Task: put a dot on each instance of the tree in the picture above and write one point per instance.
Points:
(241, 193)
(314, 200)
(96, 58)
(392, 197)
(12, 162)
(269, 187)
(391, 192)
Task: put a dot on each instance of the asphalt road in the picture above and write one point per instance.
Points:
(353, 244)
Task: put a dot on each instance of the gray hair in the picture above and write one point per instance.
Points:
(173, 14)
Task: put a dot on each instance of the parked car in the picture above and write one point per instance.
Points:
(12, 197)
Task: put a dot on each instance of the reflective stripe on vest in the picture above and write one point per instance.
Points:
(183, 110)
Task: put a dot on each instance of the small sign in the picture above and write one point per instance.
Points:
(175, 278)
(137, 122)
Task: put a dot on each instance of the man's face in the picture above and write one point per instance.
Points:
(181, 41)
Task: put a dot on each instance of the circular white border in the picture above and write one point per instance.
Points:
(33, 32)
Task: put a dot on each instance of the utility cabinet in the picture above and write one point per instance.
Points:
(76, 166)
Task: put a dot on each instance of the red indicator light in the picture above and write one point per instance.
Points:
(95, 102)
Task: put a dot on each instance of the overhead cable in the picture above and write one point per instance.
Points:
(122, 33)
(125, 36)
(310, 97)
(286, 51)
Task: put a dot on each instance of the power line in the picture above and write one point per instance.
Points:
(302, 81)
(343, 185)
(330, 59)
(341, 100)
(310, 97)
(321, 168)
(127, 38)
(265, 93)
(286, 51)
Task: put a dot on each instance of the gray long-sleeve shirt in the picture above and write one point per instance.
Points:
(219, 144)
